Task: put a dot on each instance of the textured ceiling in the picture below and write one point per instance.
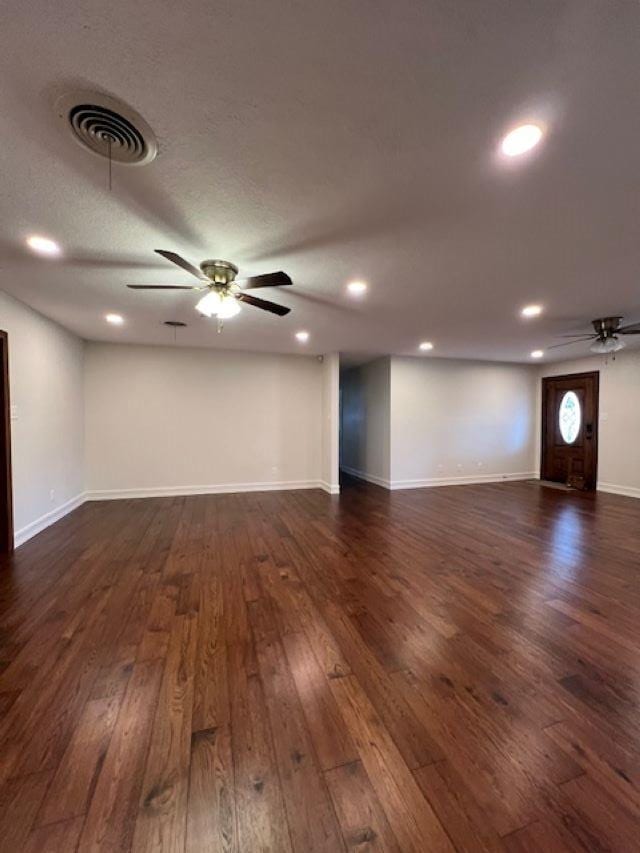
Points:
(333, 140)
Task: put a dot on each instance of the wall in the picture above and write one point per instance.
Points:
(330, 422)
(461, 421)
(365, 421)
(47, 427)
(619, 421)
(167, 420)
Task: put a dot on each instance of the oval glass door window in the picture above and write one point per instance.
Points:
(569, 417)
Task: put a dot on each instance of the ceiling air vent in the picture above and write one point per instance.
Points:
(108, 128)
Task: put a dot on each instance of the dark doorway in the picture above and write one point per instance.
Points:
(6, 498)
(570, 429)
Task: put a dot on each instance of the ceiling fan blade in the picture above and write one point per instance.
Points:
(179, 261)
(580, 335)
(164, 287)
(568, 343)
(270, 279)
(280, 310)
(628, 331)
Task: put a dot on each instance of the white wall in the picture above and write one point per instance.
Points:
(162, 420)
(461, 421)
(365, 421)
(619, 421)
(330, 422)
(47, 427)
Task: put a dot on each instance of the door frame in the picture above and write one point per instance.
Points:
(6, 492)
(589, 374)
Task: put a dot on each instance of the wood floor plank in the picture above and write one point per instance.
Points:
(615, 824)
(211, 699)
(618, 772)
(332, 742)
(412, 819)
(162, 816)
(20, 800)
(111, 816)
(457, 810)
(310, 814)
(59, 837)
(362, 819)
(262, 822)
(72, 787)
(211, 819)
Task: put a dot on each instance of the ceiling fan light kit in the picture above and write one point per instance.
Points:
(222, 306)
(607, 346)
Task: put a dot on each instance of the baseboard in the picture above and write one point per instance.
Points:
(369, 478)
(330, 488)
(473, 480)
(438, 481)
(217, 489)
(612, 488)
(30, 530)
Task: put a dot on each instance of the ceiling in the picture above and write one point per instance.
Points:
(333, 140)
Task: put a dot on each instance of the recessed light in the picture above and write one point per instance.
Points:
(303, 337)
(357, 288)
(43, 246)
(425, 346)
(114, 319)
(537, 353)
(531, 311)
(521, 139)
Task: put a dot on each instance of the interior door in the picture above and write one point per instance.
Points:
(570, 429)
(6, 500)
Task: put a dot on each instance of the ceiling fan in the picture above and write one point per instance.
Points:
(223, 292)
(605, 336)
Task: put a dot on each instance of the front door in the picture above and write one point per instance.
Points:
(570, 429)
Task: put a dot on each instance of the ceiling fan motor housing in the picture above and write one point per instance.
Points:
(607, 326)
(219, 272)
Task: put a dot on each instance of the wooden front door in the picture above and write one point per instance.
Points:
(570, 429)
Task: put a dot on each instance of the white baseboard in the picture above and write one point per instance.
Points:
(612, 488)
(29, 530)
(439, 481)
(217, 489)
(473, 480)
(330, 488)
(363, 475)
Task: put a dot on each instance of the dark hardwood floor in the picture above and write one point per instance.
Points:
(431, 670)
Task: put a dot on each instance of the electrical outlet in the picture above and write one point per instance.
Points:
(52, 495)
(459, 466)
